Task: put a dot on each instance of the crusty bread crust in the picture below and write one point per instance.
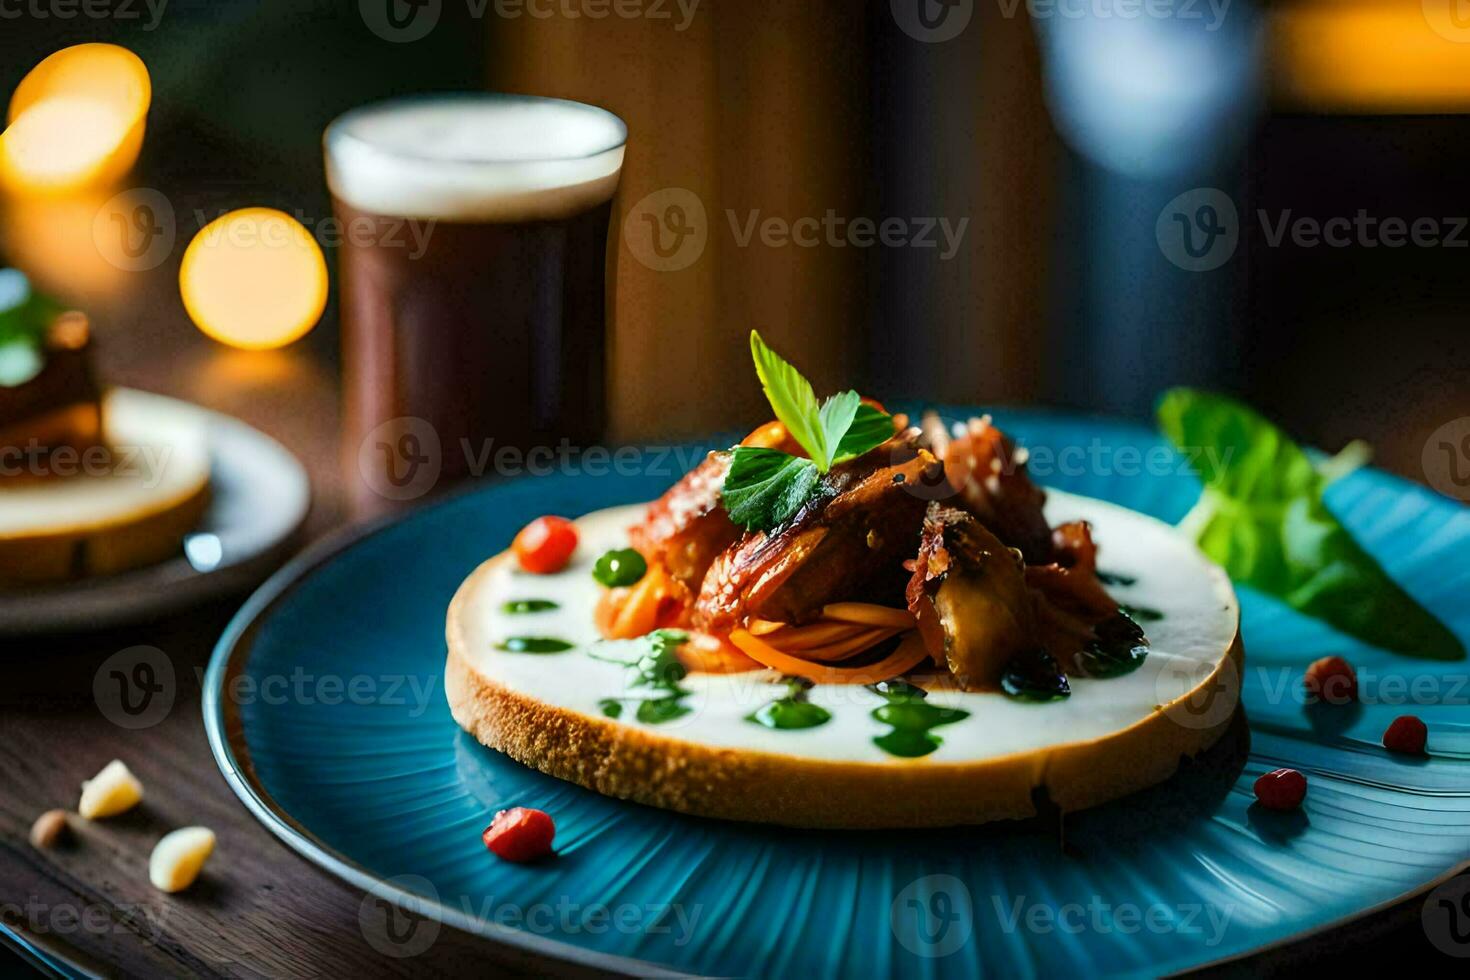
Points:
(635, 764)
(143, 538)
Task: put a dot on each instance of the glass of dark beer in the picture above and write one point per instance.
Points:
(472, 277)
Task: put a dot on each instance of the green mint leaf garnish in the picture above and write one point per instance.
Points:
(622, 566)
(765, 487)
(793, 400)
(836, 417)
(870, 429)
(1263, 518)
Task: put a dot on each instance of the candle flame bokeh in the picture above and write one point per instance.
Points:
(254, 278)
(76, 121)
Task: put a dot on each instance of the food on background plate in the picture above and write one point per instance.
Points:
(92, 482)
(851, 621)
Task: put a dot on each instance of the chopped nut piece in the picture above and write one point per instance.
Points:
(110, 792)
(49, 829)
(178, 856)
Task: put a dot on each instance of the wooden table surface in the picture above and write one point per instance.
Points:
(260, 910)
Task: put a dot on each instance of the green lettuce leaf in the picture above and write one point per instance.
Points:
(1262, 517)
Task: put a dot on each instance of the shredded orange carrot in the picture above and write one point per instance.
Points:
(869, 614)
(760, 627)
(632, 611)
(906, 657)
(713, 655)
(605, 614)
(870, 637)
(813, 635)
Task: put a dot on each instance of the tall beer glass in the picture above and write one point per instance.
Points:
(472, 283)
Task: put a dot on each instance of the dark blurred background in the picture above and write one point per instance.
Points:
(1121, 180)
(1063, 139)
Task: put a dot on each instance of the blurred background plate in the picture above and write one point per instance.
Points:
(260, 496)
(381, 787)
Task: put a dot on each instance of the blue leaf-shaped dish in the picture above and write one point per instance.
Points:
(325, 708)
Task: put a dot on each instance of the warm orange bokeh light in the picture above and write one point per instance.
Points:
(51, 237)
(254, 278)
(75, 121)
(1371, 55)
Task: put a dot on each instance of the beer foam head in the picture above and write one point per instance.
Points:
(475, 157)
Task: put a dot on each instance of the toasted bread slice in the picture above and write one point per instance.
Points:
(1112, 737)
(107, 510)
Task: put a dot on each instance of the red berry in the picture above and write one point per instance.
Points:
(1331, 679)
(1407, 734)
(520, 834)
(1281, 789)
(546, 544)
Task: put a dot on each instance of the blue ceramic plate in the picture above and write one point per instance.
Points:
(325, 708)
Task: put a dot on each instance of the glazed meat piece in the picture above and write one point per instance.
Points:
(857, 531)
(1070, 581)
(968, 593)
(1074, 613)
(686, 528)
(988, 473)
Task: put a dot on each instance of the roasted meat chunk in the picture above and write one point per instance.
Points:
(686, 528)
(1077, 621)
(857, 531)
(988, 474)
(968, 593)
